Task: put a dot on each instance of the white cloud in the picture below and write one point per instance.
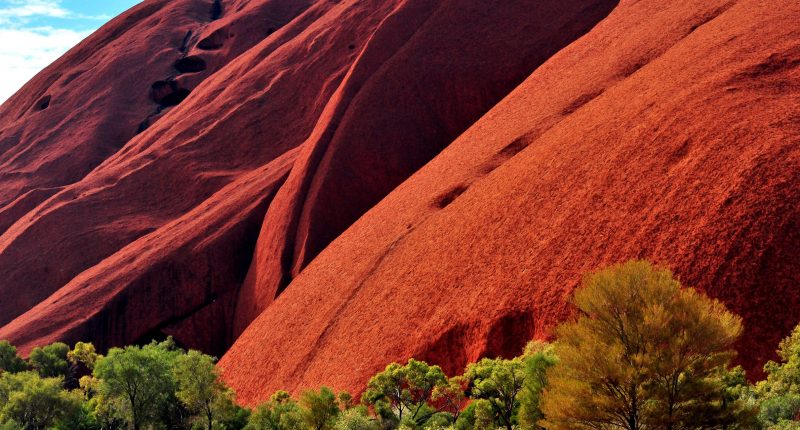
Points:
(26, 51)
(15, 10)
(19, 12)
(28, 46)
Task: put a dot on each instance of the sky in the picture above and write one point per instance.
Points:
(34, 33)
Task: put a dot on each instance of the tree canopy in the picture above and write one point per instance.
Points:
(9, 360)
(643, 352)
(138, 381)
(405, 390)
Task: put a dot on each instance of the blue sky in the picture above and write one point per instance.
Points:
(34, 33)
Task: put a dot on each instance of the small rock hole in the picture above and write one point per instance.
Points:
(43, 103)
(168, 93)
(216, 10)
(214, 41)
(144, 125)
(175, 98)
(515, 147)
(581, 101)
(450, 196)
(190, 64)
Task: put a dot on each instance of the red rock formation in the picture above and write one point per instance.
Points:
(196, 159)
(246, 117)
(414, 88)
(234, 97)
(668, 132)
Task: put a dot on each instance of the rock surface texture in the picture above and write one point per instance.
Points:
(317, 188)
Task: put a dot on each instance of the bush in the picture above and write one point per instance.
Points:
(280, 413)
(35, 403)
(356, 419)
(9, 360)
(138, 382)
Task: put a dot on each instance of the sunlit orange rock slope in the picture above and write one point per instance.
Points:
(321, 187)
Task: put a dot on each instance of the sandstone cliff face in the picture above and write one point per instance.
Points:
(214, 168)
(667, 132)
(415, 87)
(204, 154)
(325, 106)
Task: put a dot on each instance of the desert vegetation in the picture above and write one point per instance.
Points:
(641, 352)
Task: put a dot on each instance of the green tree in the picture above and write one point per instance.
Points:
(537, 359)
(485, 415)
(355, 418)
(10, 425)
(81, 418)
(236, 420)
(320, 409)
(103, 412)
(498, 382)
(9, 360)
(406, 390)
(642, 353)
(739, 408)
(779, 394)
(35, 403)
(449, 397)
(200, 388)
(279, 413)
(138, 382)
(51, 361)
(83, 354)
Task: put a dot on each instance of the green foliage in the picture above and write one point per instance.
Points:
(51, 361)
(154, 386)
(83, 354)
(10, 425)
(439, 421)
(779, 394)
(236, 420)
(449, 397)
(497, 382)
(138, 382)
(466, 419)
(643, 353)
(280, 413)
(404, 391)
(356, 418)
(81, 418)
(102, 411)
(739, 408)
(9, 360)
(346, 401)
(537, 359)
(320, 409)
(33, 402)
(485, 415)
(200, 389)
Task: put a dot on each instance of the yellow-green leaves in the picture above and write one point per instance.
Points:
(642, 353)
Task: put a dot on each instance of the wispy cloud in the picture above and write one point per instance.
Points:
(16, 12)
(31, 51)
(19, 12)
(31, 41)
